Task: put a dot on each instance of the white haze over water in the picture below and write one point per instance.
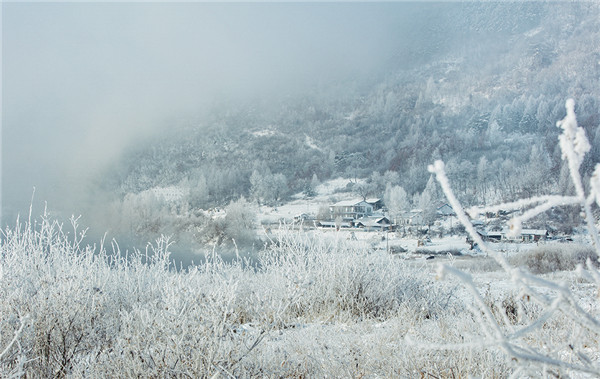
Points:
(82, 82)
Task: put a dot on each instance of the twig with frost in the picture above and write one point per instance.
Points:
(16, 337)
(465, 278)
(438, 169)
(518, 277)
(19, 369)
(574, 145)
(496, 337)
(557, 200)
(547, 203)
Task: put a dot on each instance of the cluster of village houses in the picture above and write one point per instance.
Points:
(371, 215)
(368, 214)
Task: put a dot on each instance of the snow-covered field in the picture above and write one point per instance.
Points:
(318, 305)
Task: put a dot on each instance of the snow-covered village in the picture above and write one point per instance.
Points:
(300, 190)
(333, 208)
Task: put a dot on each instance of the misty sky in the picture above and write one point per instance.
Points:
(81, 82)
(84, 81)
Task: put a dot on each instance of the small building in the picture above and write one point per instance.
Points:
(374, 223)
(413, 217)
(350, 210)
(492, 235)
(445, 210)
(376, 203)
(332, 224)
(477, 223)
(527, 235)
(533, 235)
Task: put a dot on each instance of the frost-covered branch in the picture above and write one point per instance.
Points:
(16, 337)
(554, 200)
(19, 360)
(516, 224)
(438, 169)
(556, 299)
(574, 145)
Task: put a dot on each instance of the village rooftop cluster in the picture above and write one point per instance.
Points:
(371, 214)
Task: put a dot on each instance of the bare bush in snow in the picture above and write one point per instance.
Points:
(556, 257)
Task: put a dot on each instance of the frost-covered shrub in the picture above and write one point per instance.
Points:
(326, 278)
(366, 349)
(58, 284)
(236, 228)
(74, 310)
(555, 257)
(509, 308)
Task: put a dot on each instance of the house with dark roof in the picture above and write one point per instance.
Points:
(376, 203)
(373, 223)
(526, 235)
(445, 210)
